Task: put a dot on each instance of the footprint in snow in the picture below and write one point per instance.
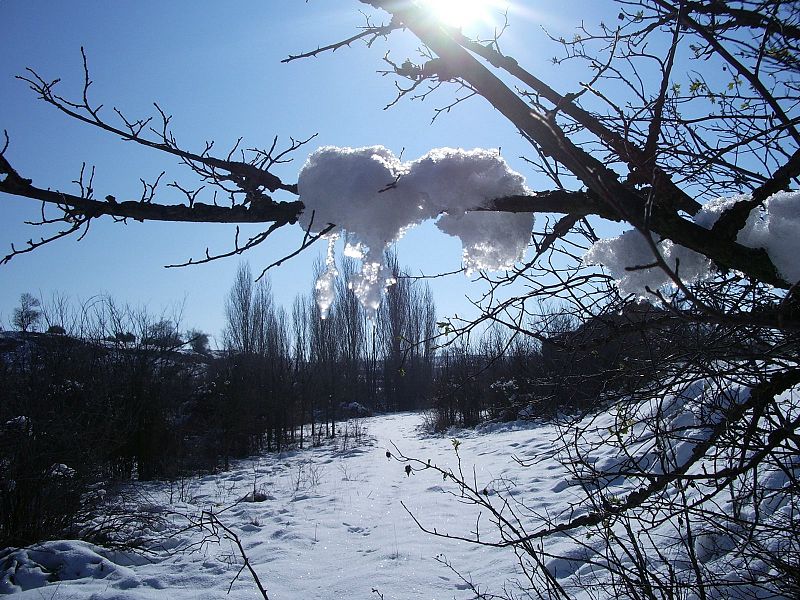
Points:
(361, 530)
(561, 486)
(567, 565)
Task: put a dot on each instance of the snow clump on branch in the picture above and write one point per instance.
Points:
(374, 197)
(774, 227)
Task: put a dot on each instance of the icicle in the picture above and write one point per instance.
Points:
(324, 290)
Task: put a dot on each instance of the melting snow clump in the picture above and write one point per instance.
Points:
(775, 227)
(375, 197)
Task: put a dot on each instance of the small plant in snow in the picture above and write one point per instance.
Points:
(347, 473)
(307, 477)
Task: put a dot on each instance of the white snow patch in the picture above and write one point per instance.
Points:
(779, 233)
(375, 197)
(491, 240)
(775, 227)
(57, 562)
(62, 471)
(631, 261)
(20, 423)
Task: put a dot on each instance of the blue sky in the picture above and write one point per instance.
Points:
(216, 68)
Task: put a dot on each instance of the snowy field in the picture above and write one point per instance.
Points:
(331, 526)
(330, 523)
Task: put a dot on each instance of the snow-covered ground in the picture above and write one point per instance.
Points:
(330, 521)
(332, 525)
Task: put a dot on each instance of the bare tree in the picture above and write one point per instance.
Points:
(239, 312)
(257, 366)
(406, 329)
(27, 314)
(58, 313)
(353, 328)
(325, 356)
(301, 371)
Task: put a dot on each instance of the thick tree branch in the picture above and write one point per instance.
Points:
(741, 17)
(667, 224)
(262, 212)
(369, 33)
(247, 175)
(624, 202)
(733, 219)
(638, 159)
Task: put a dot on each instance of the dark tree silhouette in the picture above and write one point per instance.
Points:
(28, 314)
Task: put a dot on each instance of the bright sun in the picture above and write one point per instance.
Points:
(459, 13)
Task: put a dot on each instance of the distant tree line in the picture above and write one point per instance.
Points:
(288, 378)
(571, 365)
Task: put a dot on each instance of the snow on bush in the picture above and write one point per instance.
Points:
(775, 227)
(375, 197)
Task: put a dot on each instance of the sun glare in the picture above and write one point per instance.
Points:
(460, 13)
